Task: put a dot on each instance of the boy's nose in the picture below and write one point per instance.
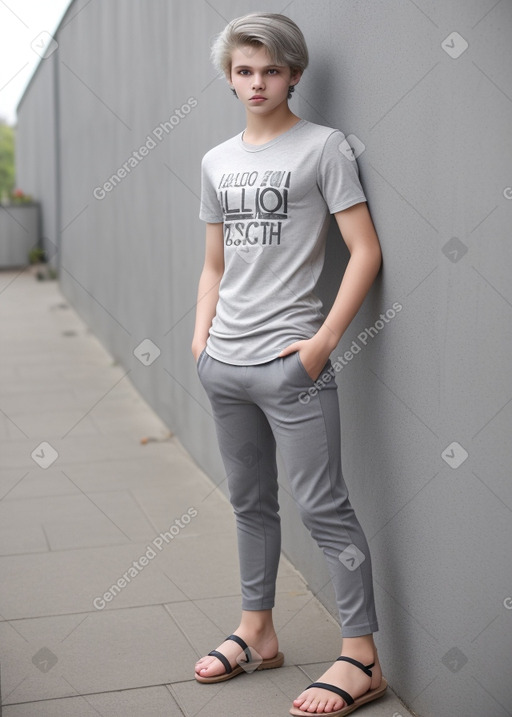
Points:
(257, 81)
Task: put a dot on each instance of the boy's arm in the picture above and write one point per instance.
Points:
(357, 229)
(208, 289)
(359, 233)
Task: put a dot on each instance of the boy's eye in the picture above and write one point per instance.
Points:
(271, 71)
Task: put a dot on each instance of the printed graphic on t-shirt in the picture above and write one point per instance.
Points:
(255, 205)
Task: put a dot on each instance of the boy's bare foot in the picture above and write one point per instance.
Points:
(261, 641)
(344, 675)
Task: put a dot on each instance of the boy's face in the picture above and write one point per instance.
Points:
(259, 84)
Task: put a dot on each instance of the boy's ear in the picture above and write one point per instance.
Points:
(230, 84)
(295, 77)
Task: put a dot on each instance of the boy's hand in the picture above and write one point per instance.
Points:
(197, 349)
(313, 354)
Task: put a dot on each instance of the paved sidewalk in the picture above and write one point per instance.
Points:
(82, 504)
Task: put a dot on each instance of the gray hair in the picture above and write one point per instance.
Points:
(279, 35)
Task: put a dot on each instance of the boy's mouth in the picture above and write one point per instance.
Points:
(257, 97)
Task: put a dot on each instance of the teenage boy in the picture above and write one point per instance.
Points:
(261, 340)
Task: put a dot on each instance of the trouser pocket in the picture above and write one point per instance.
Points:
(200, 360)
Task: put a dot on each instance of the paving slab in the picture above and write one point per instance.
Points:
(67, 655)
(67, 582)
(148, 701)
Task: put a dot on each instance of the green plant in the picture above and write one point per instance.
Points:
(36, 255)
(6, 159)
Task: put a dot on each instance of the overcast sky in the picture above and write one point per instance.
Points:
(24, 25)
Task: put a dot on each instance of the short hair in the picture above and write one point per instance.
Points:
(279, 35)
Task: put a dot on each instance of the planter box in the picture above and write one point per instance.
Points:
(19, 233)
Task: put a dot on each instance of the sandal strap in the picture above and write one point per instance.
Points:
(224, 659)
(243, 645)
(325, 686)
(364, 668)
(337, 690)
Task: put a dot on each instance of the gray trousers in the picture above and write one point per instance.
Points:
(255, 408)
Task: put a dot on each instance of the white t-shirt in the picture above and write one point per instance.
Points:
(275, 200)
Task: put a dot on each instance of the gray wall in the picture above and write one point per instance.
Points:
(436, 169)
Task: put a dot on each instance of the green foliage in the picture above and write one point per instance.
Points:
(36, 255)
(7, 175)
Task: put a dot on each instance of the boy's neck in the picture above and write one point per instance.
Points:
(263, 128)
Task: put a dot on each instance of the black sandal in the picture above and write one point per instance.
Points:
(231, 672)
(351, 703)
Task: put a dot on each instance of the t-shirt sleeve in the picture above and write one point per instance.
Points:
(338, 174)
(210, 209)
